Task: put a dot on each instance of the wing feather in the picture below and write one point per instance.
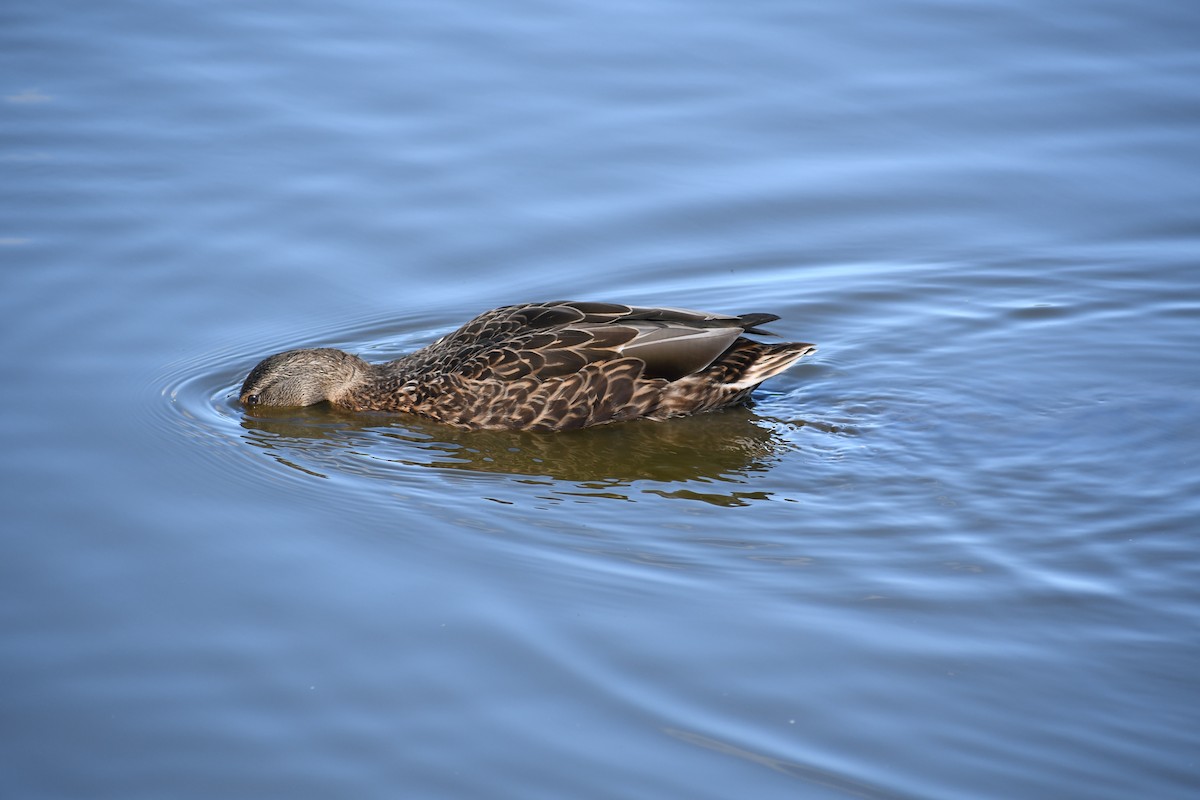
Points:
(555, 340)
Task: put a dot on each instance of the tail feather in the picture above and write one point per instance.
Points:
(750, 323)
(770, 360)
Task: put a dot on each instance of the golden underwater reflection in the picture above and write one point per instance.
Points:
(692, 458)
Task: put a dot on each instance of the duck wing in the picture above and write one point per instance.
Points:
(557, 339)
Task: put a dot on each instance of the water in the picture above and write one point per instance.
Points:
(952, 555)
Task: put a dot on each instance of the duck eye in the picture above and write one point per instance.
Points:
(251, 399)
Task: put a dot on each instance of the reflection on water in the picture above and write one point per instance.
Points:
(604, 461)
(975, 575)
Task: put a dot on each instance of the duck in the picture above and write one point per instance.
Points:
(546, 366)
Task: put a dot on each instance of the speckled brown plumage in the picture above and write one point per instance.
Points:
(544, 366)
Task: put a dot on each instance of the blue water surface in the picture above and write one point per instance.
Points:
(951, 555)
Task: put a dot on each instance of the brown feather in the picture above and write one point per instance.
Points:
(546, 366)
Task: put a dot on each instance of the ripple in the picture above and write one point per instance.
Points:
(708, 458)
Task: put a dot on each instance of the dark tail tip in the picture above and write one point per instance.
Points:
(750, 323)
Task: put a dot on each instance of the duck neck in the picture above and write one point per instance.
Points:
(351, 376)
(374, 387)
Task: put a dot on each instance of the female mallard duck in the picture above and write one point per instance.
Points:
(544, 366)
